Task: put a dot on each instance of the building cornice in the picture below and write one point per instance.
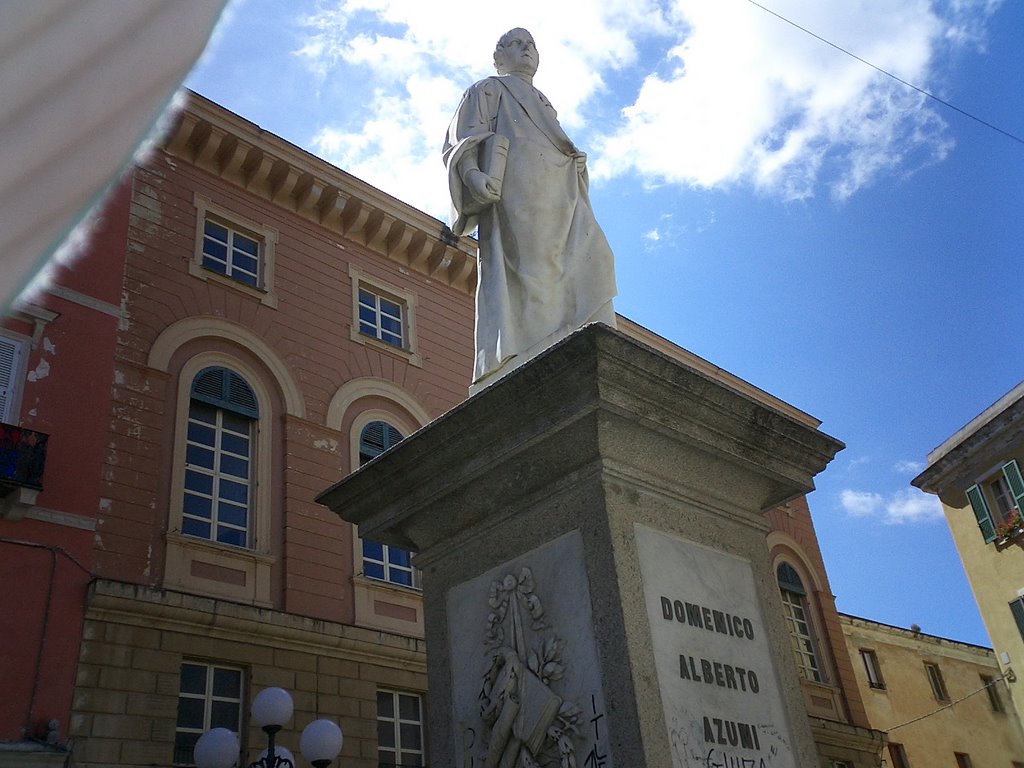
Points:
(916, 638)
(241, 153)
(170, 611)
(996, 430)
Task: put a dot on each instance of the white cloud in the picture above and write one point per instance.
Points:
(398, 148)
(860, 503)
(750, 99)
(687, 93)
(905, 506)
(910, 505)
(854, 463)
(421, 56)
(906, 467)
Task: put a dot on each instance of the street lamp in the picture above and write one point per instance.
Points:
(271, 710)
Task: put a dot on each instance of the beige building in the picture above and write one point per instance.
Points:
(941, 702)
(976, 474)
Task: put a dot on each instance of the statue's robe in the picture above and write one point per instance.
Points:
(545, 268)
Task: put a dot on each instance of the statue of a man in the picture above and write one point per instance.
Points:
(545, 267)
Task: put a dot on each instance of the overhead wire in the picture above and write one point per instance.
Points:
(950, 705)
(885, 72)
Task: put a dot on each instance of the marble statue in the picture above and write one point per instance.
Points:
(545, 268)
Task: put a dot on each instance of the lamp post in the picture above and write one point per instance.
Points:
(271, 710)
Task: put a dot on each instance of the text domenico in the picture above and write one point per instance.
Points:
(702, 617)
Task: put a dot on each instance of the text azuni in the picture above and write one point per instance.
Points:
(702, 617)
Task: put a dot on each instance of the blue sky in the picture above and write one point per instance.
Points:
(775, 206)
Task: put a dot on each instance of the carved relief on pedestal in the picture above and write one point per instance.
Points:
(527, 722)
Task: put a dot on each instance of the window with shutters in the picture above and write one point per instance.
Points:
(936, 681)
(872, 668)
(798, 622)
(234, 251)
(994, 701)
(1017, 610)
(997, 501)
(384, 562)
(12, 375)
(220, 502)
(898, 755)
(219, 458)
(383, 316)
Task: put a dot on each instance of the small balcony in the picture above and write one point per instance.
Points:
(22, 460)
(1009, 529)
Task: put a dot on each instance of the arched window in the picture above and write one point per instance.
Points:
(382, 561)
(794, 607)
(376, 437)
(222, 416)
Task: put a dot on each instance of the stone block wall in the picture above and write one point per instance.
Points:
(135, 639)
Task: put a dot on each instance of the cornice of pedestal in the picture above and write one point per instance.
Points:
(598, 406)
(220, 142)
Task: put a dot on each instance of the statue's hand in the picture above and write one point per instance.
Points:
(581, 162)
(482, 187)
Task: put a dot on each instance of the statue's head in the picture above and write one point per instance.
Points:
(516, 53)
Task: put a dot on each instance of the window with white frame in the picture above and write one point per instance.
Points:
(381, 318)
(997, 501)
(383, 315)
(209, 696)
(234, 250)
(400, 730)
(222, 417)
(11, 376)
(872, 668)
(383, 562)
(231, 252)
(795, 612)
(936, 681)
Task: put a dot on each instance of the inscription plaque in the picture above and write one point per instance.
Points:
(719, 689)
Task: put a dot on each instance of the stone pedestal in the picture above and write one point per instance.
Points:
(595, 576)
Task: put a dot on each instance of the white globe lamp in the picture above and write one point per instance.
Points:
(217, 748)
(272, 709)
(321, 742)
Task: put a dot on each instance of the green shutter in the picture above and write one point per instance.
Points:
(376, 437)
(1017, 609)
(225, 389)
(1013, 479)
(789, 579)
(988, 529)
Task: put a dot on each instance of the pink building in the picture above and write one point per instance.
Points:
(250, 324)
(56, 370)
